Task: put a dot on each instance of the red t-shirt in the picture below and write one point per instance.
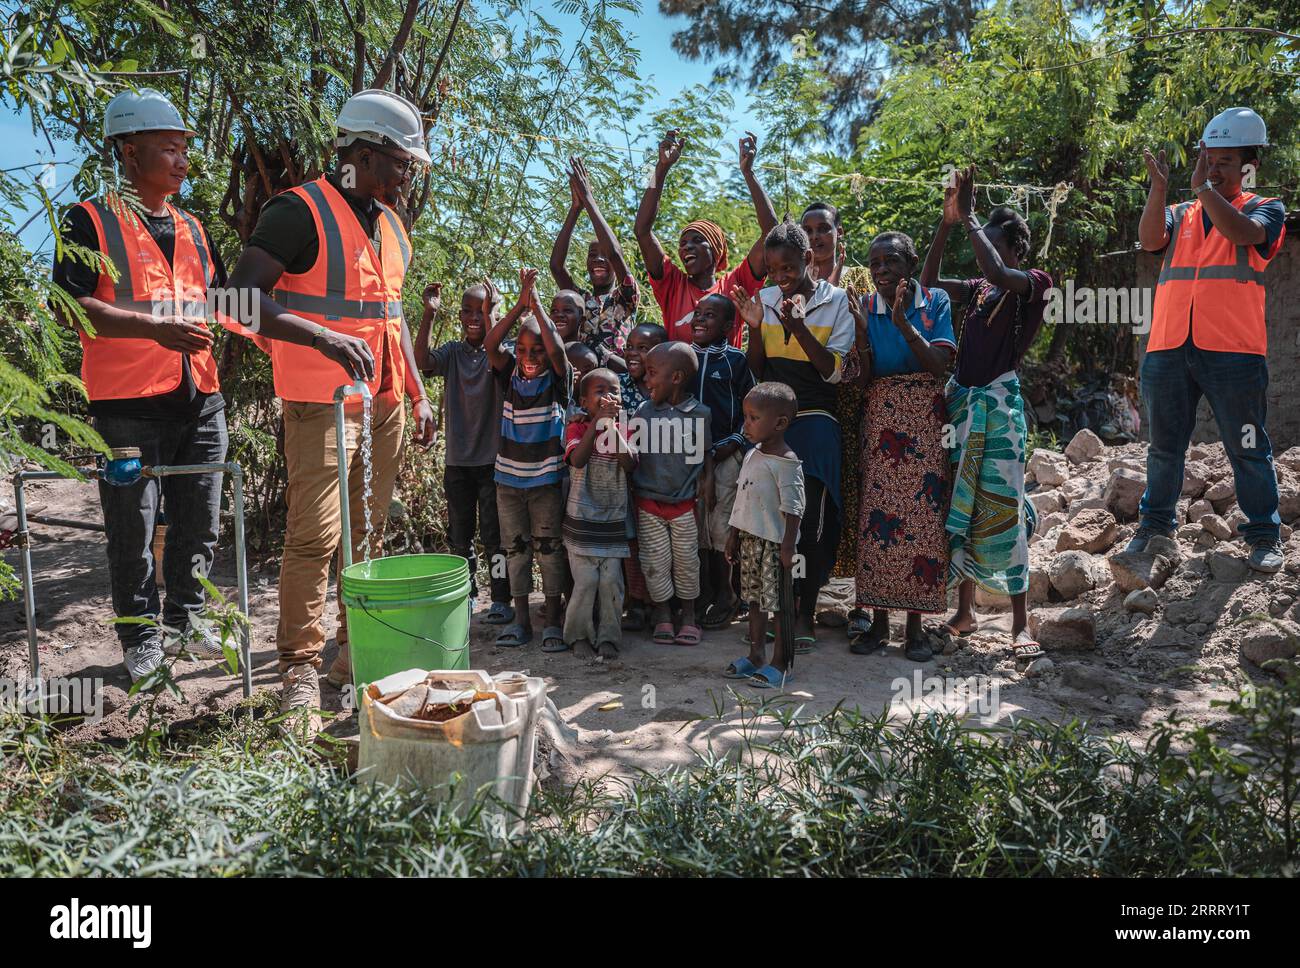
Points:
(678, 296)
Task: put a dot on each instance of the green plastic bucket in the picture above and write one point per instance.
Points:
(407, 612)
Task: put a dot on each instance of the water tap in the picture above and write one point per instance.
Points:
(360, 388)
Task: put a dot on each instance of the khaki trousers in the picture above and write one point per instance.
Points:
(314, 528)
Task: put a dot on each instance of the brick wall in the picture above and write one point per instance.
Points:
(1282, 311)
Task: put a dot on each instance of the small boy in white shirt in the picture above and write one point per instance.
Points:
(764, 531)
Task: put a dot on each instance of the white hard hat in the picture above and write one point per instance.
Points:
(384, 118)
(144, 110)
(1235, 128)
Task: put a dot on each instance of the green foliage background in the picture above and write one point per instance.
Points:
(1030, 99)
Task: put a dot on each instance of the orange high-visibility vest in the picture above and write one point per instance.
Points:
(116, 369)
(1212, 285)
(348, 289)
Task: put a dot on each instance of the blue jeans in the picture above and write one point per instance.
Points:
(192, 502)
(1235, 384)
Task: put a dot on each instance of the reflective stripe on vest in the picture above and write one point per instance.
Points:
(1222, 318)
(116, 369)
(350, 289)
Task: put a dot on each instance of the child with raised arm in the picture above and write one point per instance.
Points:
(764, 531)
(596, 516)
(530, 460)
(702, 247)
(610, 301)
(672, 435)
(472, 400)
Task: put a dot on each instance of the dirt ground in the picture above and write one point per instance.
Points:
(660, 690)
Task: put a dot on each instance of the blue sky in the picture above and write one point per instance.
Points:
(652, 33)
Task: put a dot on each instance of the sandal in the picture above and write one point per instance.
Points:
(770, 677)
(550, 636)
(664, 633)
(944, 629)
(501, 613)
(742, 668)
(717, 616)
(514, 637)
(1025, 651)
(689, 635)
(859, 624)
(809, 643)
(869, 643)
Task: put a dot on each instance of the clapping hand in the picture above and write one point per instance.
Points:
(670, 149)
(750, 308)
(1157, 169)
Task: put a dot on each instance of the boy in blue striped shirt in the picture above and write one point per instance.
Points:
(538, 380)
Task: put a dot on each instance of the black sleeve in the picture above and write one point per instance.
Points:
(218, 267)
(71, 274)
(286, 230)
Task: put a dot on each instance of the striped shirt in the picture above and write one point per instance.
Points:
(531, 451)
(595, 514)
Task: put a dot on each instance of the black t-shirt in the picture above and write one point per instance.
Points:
(78, 279)
(285, 229)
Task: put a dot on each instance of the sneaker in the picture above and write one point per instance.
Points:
(199, 641)
(142, 659)
(1266, 557)
(1138, 543)
(300, 693)
(340, 673)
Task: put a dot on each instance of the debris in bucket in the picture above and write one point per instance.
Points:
(434, 705)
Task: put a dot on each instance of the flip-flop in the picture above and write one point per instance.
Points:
(715, 610)
(689, 635)
(552, 634)
(513, 637)
(664, 633)
(499, 614)
(770, 677)
(742, 668)
(810, 640)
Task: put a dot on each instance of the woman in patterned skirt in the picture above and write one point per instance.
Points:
(905, 343)
(987, 523)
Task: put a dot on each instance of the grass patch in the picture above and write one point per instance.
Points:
(836, 795)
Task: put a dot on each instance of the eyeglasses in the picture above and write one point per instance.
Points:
(405, 165)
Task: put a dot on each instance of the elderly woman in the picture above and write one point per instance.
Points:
(905, 345)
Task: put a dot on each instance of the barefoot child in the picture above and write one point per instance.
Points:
(472, 399)
(671, 433)
(530, 461)
(724, 379)
(764, 530)
(595, 516)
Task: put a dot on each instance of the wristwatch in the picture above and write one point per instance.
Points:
(1203, 187)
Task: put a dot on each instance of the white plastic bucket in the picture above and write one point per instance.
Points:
(488, 750)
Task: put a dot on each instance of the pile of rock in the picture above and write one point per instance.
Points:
(1192, 591)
